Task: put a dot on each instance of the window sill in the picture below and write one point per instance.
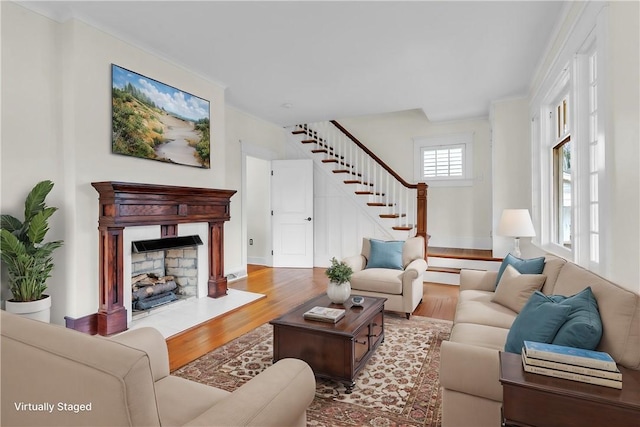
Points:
(449, 183)
(557, 250)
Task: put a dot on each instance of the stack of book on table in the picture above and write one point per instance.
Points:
(577, 364)
(324, 314)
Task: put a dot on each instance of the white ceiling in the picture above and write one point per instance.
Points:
(333, 60)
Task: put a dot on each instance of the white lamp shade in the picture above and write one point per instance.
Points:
(516, 223)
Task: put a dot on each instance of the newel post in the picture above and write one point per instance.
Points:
(422, 214)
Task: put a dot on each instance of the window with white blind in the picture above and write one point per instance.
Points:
(444, 160)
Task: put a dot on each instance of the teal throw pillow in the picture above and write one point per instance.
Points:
(583, 328)
(385, 254)
(524, 266)
(539, 320)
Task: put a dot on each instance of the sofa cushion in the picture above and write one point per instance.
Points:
(385, 254)
(475, 295)
(583, 328)
(524, 266)
(479, 335)
(538, 321)
(479, 309)
(515, 289)
(381, 280)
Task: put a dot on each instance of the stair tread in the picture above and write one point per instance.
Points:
(369, 193)
(444, 270)
(309, 141)
(392, 215)
(403, 227)
(461, 253)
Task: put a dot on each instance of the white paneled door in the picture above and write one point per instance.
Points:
(292, 205)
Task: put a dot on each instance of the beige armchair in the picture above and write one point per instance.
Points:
(53, 376)
(401, 284)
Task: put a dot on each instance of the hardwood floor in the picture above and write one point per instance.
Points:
(284, 288)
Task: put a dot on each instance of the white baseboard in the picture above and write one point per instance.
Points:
(235, 274)
(258, 261)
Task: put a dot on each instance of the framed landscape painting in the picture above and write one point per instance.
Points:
(152, 120)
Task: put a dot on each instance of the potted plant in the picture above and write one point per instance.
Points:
(27, 259)
(339, 287)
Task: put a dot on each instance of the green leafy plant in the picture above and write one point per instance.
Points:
(339, 272)
(28, 260)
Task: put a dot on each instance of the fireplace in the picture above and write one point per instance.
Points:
(127, 208)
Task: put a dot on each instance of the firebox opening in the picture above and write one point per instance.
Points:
(162, 276)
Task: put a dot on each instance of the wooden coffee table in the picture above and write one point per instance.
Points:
(336, 351)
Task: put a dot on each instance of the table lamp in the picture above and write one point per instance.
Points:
(516, 223)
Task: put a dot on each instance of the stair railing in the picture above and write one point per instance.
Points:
(404, 202)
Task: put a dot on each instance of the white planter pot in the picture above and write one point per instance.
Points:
(338, 294)
(37, 310)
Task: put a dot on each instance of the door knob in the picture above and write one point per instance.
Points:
(308, 219)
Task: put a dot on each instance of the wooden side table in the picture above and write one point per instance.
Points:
(537, 400)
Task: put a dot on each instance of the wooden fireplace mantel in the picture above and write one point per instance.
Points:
(124, 204)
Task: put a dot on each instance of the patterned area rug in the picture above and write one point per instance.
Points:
(398, 386)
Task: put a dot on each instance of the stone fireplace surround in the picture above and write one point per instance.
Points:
(122, 205)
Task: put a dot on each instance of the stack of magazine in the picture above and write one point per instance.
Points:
(324, 314)
(577, 364)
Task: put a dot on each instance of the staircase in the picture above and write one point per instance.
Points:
(397, 206)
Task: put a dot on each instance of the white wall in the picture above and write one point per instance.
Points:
(623, 137)
(263, 140)
(511, 165)
(31, 124)
(56, 124)
(258, 206)
(456, 216)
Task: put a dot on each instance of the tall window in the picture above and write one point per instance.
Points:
(569, 158)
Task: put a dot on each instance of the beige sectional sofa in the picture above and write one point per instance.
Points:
(469, 367)
(52, 376)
